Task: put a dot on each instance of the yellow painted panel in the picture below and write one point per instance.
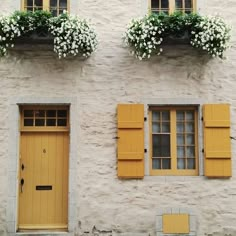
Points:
(130, 115)
(131, 169)
(175, 223)
(218, 167)
(130, 144)
(45, 159)
(216, 115)
(217, 143)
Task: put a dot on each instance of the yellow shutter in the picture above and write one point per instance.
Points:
(175, 223)
(130, 142)
(217, 145)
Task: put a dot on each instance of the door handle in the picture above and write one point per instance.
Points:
(22, 181)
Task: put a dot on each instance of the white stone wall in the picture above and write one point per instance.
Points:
(105, 204)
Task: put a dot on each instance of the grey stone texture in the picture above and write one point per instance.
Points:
(104, 204)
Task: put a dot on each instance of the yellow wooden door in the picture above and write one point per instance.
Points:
(43, 183)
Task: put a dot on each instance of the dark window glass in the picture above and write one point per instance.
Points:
(40, 113)
(188, 3)
(53, 3)
(61, 122)
(28, 122)
(29, 3)
(28, 113)
(166, 164)
(156, 163)
(39, 122)
(51, 122)
(161, 145)
(165, 115)
(155, 4)
(51, 113)
(191, 164)
(62, 113)
(164, 3)
(178, 4)
(181, 163)
(62, 3)
(38, 3)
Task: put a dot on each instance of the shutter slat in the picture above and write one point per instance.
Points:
(217, 143)
(130, 142)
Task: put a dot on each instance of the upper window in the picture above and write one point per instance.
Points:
(173, 138)
(44, 118)
(55, 6)
(169, 6)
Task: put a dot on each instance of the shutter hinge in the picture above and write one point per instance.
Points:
(232, 138)
(145, 150)
(203, 150)
(145, 118)
(202, 118)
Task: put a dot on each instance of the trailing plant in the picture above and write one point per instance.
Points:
(72, 35)
(146, 35)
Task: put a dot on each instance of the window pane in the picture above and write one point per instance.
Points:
(180, 127)
(155, 115)
(28, 122)
(165, 127)
(156, 127)
(54, 12)
(156, 163)
(155, 3)
(166, 164)
(178, 4)
(51, 113)
(28, 113)
(40, 113)
(62, 113)
(51, 122)
(63, 4)
(190, 139)
(38, 3)
(39, 122)
(190, 152)
(29, 3)
(180, 139)
(165, 116)
(191, 163)
(180, 163)
(180, 115)
(189, 127)
(29, 8)
(188, 3)
(161, 145)
(190, 115)
(53, 3)
(61, 122)
(180, 152)
(164, 3)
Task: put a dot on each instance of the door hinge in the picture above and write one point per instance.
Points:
(145, 150)
(145, 118)
(202, 119)
(203, 150)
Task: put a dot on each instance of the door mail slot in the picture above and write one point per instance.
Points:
(44, 187)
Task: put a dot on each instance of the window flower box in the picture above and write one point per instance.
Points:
(146, 35)
(68, 34)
